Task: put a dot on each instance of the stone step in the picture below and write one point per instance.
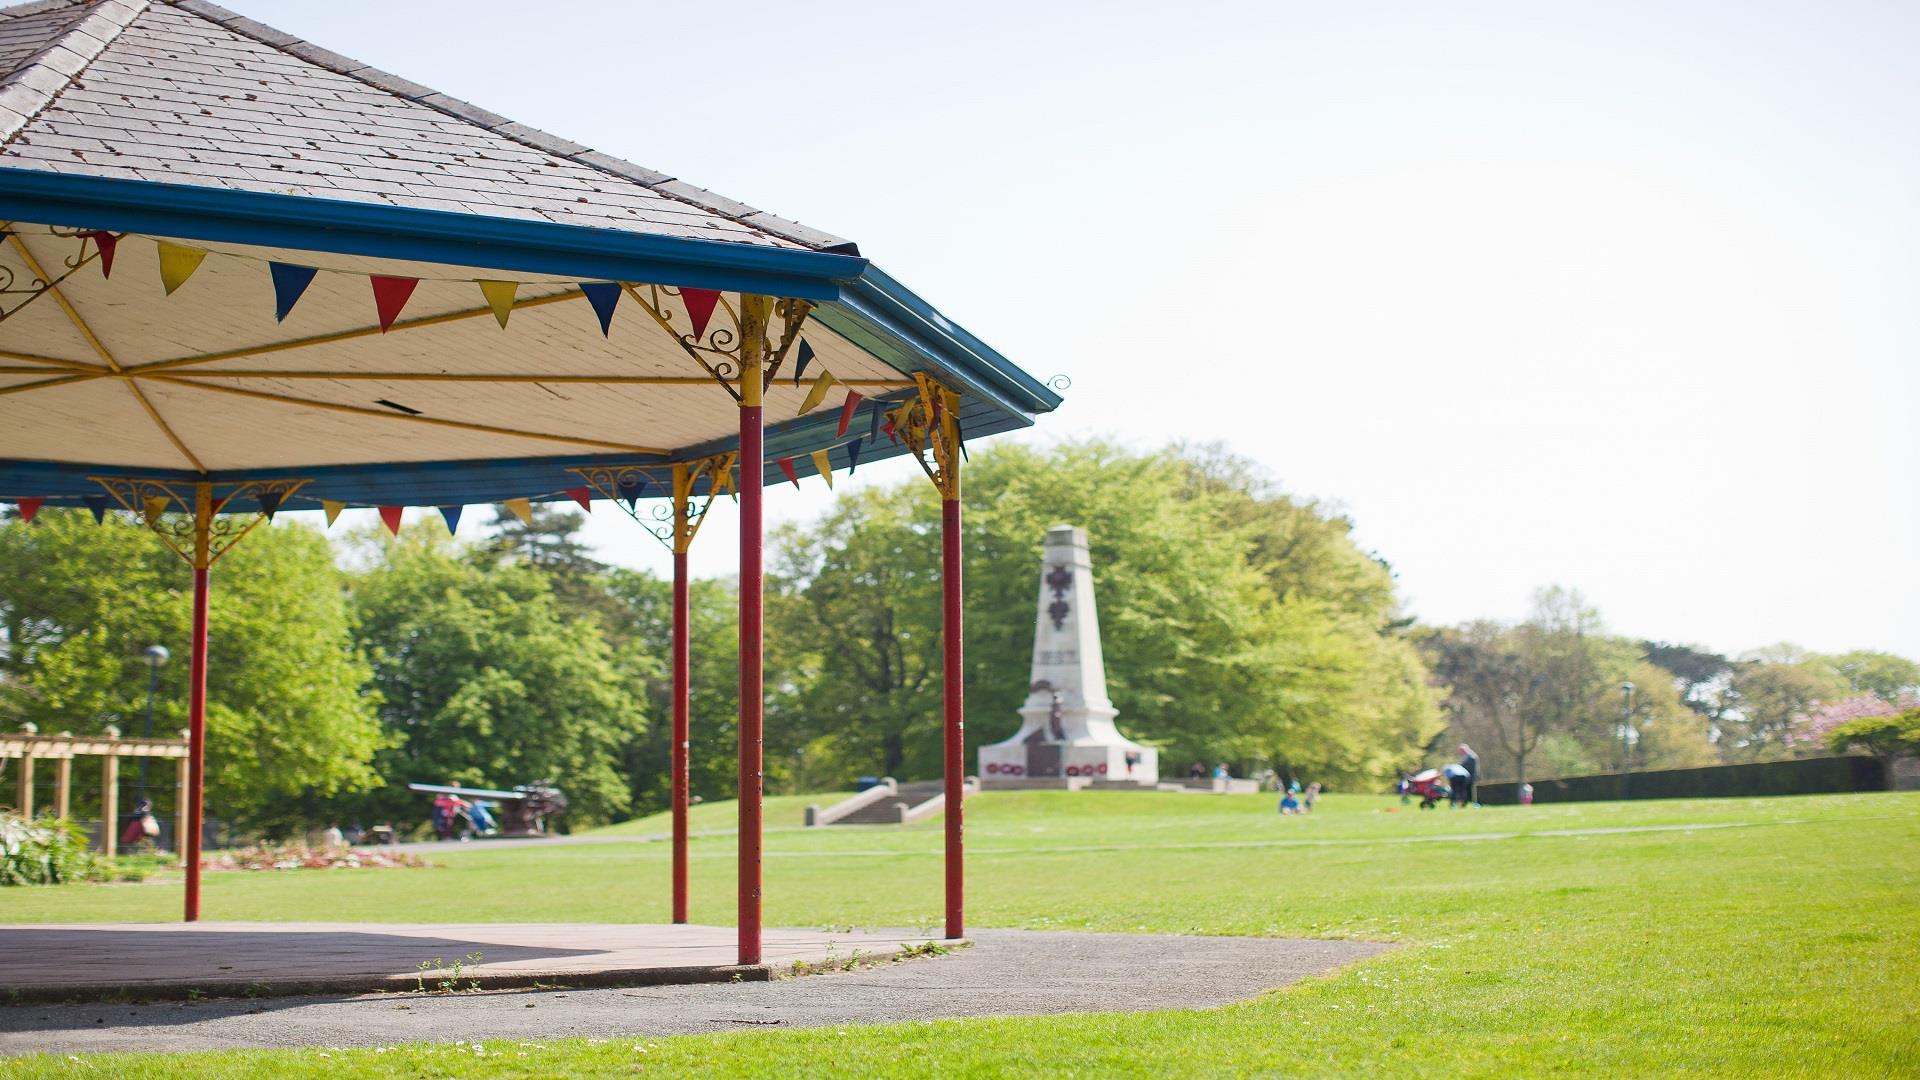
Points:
(887, 811)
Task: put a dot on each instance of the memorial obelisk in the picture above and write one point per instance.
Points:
(1067, 736)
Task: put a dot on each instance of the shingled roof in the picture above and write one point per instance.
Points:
(187, 92)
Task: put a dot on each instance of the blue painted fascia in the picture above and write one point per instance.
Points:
(223, 215)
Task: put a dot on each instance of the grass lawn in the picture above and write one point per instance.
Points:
(1713, 937)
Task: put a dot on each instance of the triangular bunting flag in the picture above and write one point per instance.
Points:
(289, 282)
(873, 426)
(786, 466)
(499, 296)
(960, 440)
(391, 515)
(107, 242)
(604, 296)
(632, 486)
(270, 502)
(28, 508)
(700, 304)
(177, 263)
(853, 456)
(332, 510)
(389, 296)
(452, 516)
(887, 426)
(154, 506)
(847, 409)
(97, 504)
(801, 360)
(583, 496)
(818, 392)
(520, 508)
(825, 464)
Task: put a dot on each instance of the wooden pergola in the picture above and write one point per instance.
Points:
(29, 747)
(242, 274)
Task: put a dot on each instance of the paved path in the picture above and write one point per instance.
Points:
(1006, 973)
(63, 962)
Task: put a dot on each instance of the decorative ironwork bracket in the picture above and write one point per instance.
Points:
(929, 424)
(673, 524)
(201, 537)
(720, 354)
(11, 289)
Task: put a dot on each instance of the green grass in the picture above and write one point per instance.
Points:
(1780, 941)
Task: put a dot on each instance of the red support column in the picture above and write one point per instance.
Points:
(197, 702)
(681, 686)
(953, 679)
(752, 465)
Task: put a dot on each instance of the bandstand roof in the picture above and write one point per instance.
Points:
(263, 201)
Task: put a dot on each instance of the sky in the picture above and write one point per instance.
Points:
(1615, 296)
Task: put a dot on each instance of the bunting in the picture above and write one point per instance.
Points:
(700, 304)
(451, 514)
(332, 510)
(818, 393)
(389, 296)
(825, 464)
(177, 264)
(786, 466)
(97, 504)
(801, 360)
(520, 508)
(106, 242)
(604, 296)
(499, 296)
(583, 496)
(873, 427)
(847, 409)
(391, 515)
(289, 284)
(631, 487)
(853, 456)
(154, 506)
(269, 502)
(28, 508)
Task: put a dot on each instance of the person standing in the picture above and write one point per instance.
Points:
(1470, 761)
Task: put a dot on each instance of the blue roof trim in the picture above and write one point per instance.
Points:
(878, 298)
(223, 215)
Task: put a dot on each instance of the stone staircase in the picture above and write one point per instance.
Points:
(892, 809)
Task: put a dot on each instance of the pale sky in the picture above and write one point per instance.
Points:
(1616, 296)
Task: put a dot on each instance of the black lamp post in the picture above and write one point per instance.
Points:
(156, 659)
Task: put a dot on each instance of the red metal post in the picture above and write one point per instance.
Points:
(752, 465)
(681, 683)
(953, 678)
(197, 743)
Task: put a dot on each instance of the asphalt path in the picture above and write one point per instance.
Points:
(1004, 973)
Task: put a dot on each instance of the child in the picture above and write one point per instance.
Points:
(1289, 804)
(1313, 796)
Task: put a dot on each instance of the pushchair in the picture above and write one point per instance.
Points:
(1430, 786)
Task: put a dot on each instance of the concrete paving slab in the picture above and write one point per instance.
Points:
(1004, 973)
(175, 960)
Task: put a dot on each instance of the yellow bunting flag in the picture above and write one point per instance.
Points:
(333, 509)
(520, 508)
(818, 392)
(825, 465)
(499, 296)
(155, 506)
(177, 264)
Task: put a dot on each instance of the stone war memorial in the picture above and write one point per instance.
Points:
(1067, 736)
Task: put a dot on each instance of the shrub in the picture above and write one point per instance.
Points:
(1881, 736)
(48, 851)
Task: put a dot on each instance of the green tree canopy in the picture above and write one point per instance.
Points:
(287, 712)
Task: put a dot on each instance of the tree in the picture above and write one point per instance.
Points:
(286, 716)
(1884, 675)
(1206, 657)
(1776, 686)
(485, 680)
(1885, 737)
(1816, 725)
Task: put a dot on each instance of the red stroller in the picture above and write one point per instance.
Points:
(1430, 785)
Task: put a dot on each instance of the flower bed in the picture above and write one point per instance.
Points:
(302, 857)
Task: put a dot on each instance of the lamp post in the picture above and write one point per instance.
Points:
(157, 656)
(1626, 737)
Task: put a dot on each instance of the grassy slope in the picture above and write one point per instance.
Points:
(1780, 944)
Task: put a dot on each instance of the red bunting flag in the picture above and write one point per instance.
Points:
(583, 496)
(700, 304)
(786, 466)
(847, 409)
(106, 240)
(28, 508)
(391, 515)
(389, 296)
